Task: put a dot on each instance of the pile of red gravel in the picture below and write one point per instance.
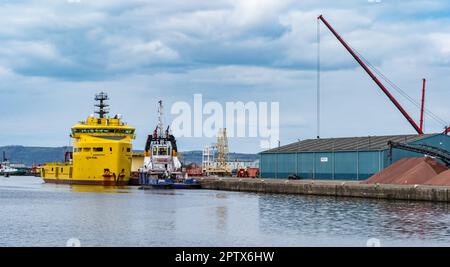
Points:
(411, 171)
(441, 179)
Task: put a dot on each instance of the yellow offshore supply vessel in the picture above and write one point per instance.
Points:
(102, 151)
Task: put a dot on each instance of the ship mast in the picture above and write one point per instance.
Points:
(102, 106)
(160, 118)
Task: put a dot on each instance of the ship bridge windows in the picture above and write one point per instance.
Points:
(97, 149)
(86, 149)
(126, 131)
(161, 151)
(103, 130)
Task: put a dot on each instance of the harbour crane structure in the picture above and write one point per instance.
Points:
(431, 151)
(418, 128)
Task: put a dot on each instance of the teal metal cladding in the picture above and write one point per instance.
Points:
(345, 165)
(322, 165)
(340, 165)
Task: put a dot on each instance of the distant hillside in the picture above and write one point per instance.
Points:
(33, 155)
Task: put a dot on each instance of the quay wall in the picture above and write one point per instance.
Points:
(330, 188)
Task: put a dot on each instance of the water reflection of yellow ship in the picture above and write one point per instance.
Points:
(102, 152)
(100, 189)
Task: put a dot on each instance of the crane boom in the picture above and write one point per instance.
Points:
(422, 106)
(374, 78)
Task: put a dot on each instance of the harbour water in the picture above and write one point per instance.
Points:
(36, 214)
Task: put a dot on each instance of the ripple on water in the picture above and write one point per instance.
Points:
(37, 214)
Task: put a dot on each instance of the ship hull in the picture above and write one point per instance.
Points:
(86, 182)
(148, 181)
(108, 164)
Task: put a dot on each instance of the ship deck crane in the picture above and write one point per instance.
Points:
(418, 129)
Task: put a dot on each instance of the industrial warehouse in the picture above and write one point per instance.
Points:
(354, 158)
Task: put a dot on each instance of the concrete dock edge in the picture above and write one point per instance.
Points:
(330, 188)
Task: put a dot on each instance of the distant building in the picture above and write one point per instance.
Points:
(235, 165)
(17, 165)
(353, 158)
(137, 161)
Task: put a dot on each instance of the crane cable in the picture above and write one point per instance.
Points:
(395, 87)
(400, 91)
(386, 79)
(318, 79)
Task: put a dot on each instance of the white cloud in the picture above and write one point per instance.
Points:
(30, 54)
(4, 71)
(253, 50)
(131, 53)
(441, 42)
(252, 12)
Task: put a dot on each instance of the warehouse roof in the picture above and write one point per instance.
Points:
(347, 143)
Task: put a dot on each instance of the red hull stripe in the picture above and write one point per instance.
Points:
(85, 182)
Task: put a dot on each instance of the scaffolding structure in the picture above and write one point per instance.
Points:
(215, 156)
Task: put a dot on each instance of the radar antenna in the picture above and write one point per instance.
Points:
(102, 106)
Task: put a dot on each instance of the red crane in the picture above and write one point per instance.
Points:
(423, 104)
(374, 78)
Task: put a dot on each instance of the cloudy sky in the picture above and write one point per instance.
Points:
(56, 54)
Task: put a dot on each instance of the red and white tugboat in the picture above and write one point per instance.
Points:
(162, 168)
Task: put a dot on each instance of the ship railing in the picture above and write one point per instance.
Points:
(57, 164)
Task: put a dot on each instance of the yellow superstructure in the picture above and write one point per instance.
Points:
(102, 153)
